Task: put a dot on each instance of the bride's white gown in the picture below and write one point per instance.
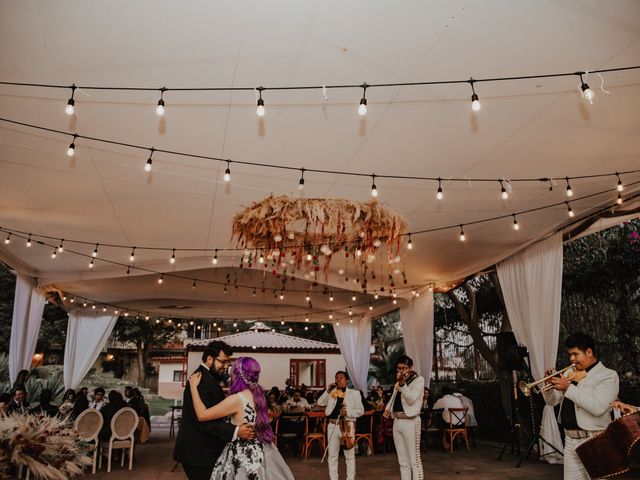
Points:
(250, 459)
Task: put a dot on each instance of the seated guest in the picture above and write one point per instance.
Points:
(18, 403)
(80, 405)
(138, 401)
(21, 378)
(5, 400)
(45, 407)
(466, 402)
(128, 393)
(273, 407)
(426, 400)
(296, 404)
(68, 400)
(446, 402)
(98, 399)
(378, 398)
(116, 402)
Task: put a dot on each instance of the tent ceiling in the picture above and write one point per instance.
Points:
(536, 128)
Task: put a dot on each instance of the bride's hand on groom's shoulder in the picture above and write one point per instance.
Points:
(194, 379)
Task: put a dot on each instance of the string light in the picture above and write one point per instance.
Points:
(462, 236)
(92, 262)
(362, 108)
(619, 200)
(71, 151)
(322, 325)
(172, 260)
(161, 279)
(261, 259)
(374, 189)
(569, 190)
(439, 194)
(395, 302)
(587, 93)
(409, 243)
(503, 192)
(370, 307)
(70, 108)
(132, 257)
(350, 311)
(54, 254)
(194, 286)
(475, 101)
(570, 211)
(215, 257)
(227, 173)
(307, 298)
(95, 251)
(160, 106)
(516, 226)
(309, 257)
(353, 298)
(61, 247)
(376, 296)
(330, 315)
(282, 295)
(620, 186)
(306, 318)
(29, 241)
(331, 297)
(301, 182)
(260, 111)
(129, 270)
(147, 166)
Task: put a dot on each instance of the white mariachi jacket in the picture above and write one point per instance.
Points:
(352, 400)
(411, 396)
(592, 397)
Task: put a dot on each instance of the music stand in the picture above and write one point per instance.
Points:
(513, 438)
(536, 436)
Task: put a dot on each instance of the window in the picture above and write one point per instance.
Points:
(178, 376)
(310, 372)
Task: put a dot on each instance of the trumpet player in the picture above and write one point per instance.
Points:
(404, 406)
(585, 403)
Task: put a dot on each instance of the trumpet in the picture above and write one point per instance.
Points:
(538, 386)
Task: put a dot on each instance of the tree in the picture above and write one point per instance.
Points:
(144, 334)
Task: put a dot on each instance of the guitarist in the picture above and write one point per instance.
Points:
(584, 406)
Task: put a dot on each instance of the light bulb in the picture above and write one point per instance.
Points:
(619, 200)
(587, 93)
(353, 298)
(462, 235)
(54, 253)
(215, 258)
(362, 108)
(173, 256)
(147, 166)
(92, 262)
(29, 241)
(132, 257)
(71, 151)
(309, 257)
(161, 279)
(570, 211)
(620, 186)
(95, 252)
(331, 298)
(227, 174)
(260, 111)
(516, 226)
(569, 191)
(439, 195)
(61, 247)
(503, 193)
(160, 108)
(374, 190)
(69, 109)
(410, 244)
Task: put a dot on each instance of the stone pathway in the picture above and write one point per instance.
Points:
(153, 461)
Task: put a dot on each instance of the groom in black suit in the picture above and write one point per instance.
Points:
(199, 444)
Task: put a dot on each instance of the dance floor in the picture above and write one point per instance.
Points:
(153, 461)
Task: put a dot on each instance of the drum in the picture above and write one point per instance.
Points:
(610, 452)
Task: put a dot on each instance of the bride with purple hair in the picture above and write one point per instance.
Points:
(244, 459)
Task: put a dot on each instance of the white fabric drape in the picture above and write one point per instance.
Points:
(86, 335)
(28, 305)
(416, 320)
(531, 282)
(354, 340)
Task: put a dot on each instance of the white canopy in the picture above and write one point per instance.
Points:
(528, 128)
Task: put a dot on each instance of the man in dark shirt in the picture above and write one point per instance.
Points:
(18, 402)
(45, 407)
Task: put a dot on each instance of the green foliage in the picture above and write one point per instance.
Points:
(383, 367)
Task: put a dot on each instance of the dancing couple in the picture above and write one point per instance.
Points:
(211, 448)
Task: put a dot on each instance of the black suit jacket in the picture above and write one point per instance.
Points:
(200, 443)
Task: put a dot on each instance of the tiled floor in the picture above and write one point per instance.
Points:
(153, 460)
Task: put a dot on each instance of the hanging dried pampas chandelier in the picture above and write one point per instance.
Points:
(311, 230)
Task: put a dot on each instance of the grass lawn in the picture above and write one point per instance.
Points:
(159, 405)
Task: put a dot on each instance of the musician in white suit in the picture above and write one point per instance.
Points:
(584, 399)
(404, 406)
(341, 403)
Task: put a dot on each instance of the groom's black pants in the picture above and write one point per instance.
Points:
(195, 472)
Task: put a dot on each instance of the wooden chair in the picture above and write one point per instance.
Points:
(430, 429)
(123, 427)
(315, 431)
(368, 433)
(274, 421)
(88, 425)
(457, 426)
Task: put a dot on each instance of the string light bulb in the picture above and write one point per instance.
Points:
(260, 111)
(619, 200)
(301, 182)
(95, 251)
(370, 307)
(362, 108)
(516, 225)
(350, 311)
(70, 108)
(92, 262)
(227, 173)
(215, 257)
(374, 189)
(570, 211)
(503, 191)
(569, 189)
(353, 298)
(54, 254)
(161, 279)
(462, 235)
(172, 260)
(29, 241)
(160, 106)
(409, 243)
(439, 194)
(475, 101)
(61, 246)
(587, 93)
(620, 186)
(331, 297)
(7, 240)
(132, 257)
(147, 166)
(71, 151)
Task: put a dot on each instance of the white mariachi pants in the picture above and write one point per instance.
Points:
(333, 436)
(573, 468)
(406, 436)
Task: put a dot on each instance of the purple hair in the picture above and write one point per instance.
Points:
(245, 374)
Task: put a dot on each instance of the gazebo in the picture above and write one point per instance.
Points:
(130, 138)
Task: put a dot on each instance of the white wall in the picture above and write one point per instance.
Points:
(275, 366)
(165, 371)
